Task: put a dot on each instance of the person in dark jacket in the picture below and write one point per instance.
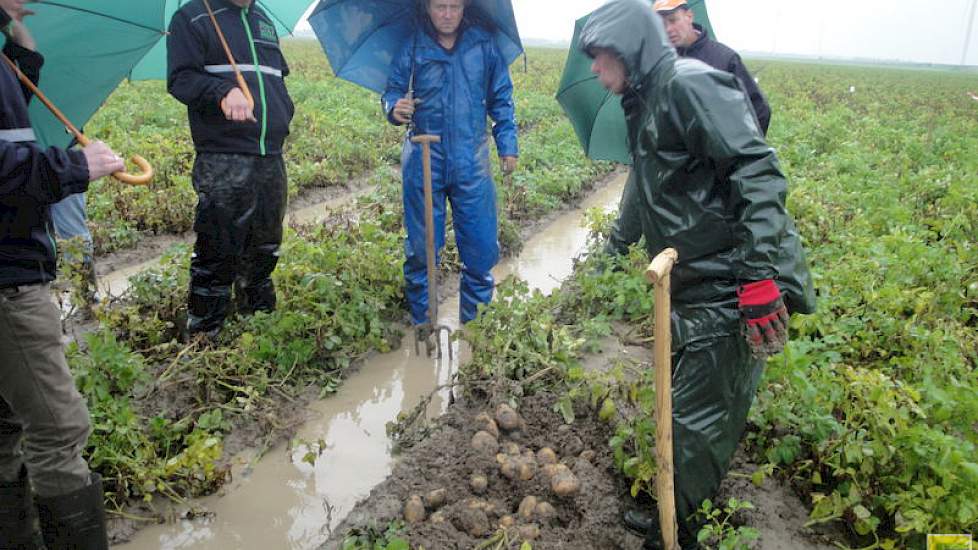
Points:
(690, 40)
(458, 78)
(239, 174)
(707, 184)
(44, 423)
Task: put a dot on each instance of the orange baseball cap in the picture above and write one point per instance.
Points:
(668, 5)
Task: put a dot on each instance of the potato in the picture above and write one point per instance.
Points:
(510, 468)
(506, 522)
(512, 449)
(474, 522)
(478, 504)
(436, 499)
(527, 507)
(479, 483)
(506, 418)
(545, 511)
(546, 455)
(414, 510)
(530, 531)
(437, 517)
(588, 455)
(526, 469)
(565, 484)
(485, 443)
(550, 470)
(485, 423)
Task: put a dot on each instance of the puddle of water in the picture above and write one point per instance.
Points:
(548, 257)
(283, 502)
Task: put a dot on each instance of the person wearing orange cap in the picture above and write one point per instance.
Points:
(690, 40)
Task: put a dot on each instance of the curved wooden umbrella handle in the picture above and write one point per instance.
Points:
(138, 179)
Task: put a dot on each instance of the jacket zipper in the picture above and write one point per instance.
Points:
(261, 82)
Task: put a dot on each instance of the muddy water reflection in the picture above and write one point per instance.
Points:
(284, 502)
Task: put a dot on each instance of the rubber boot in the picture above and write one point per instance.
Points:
(75, 521)
(17, 516)
(647, 525)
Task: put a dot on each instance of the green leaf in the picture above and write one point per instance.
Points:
(608, 410)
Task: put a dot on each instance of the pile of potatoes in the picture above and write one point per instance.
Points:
(477, 516)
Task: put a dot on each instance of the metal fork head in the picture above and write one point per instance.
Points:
(432, 338)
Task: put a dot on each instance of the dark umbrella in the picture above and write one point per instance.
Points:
(594, 112)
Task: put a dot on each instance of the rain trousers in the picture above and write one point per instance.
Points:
(704, 182)
(457, 90)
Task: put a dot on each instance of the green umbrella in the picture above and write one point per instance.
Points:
(90, 47)
(594, 112)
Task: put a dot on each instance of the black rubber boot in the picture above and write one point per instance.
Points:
(75, 521)
(17, 516)
(647, 525)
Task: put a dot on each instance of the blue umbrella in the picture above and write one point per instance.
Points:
(361, 37)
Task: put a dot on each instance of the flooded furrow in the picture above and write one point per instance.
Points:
(116, 282)
(292, 497)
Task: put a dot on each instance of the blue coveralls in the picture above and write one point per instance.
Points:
(457, 90)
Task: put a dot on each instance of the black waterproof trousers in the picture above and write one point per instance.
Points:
(714, 381)
(241, 202)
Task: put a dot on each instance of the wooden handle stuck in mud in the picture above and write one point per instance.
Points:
(658, 273)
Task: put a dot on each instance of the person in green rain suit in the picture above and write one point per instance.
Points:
(706, 183)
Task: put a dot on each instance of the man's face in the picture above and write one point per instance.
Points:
(679, 27)
(446, 15)
(610, 71)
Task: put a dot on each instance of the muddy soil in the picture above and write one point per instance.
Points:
(588, 519)
(592, 518)
(778, 514)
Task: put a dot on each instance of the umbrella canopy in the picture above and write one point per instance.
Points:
(361, 37)
(596, 113)
(91, 47)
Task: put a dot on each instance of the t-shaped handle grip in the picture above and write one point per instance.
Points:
(426, 138)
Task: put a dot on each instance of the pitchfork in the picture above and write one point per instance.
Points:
(425, 331)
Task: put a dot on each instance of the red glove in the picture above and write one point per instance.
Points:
(765, 316)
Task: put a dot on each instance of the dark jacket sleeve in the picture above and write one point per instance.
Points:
(397, 82)
(747, 169)
(29, 62)
(757, 99)
(500, 104)
(45, 175)
(187, 80)
(627, 229)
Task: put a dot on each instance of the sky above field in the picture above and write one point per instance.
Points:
(903, 30)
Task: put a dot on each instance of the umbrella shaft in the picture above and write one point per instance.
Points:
(47, 103)
(227, 51)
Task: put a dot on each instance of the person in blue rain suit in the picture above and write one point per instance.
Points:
(457, 78)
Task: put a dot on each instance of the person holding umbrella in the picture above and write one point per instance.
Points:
(44, 423)
(690, 40)
(448, 78)
(239, 174)
(709, 186)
